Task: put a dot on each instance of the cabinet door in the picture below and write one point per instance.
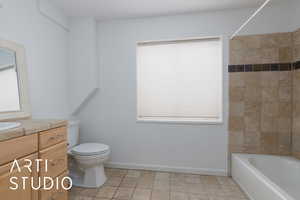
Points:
(56, 193)
(23, 191)
(57, 160)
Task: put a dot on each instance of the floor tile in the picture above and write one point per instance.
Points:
(89, 192)
(160, 195)
(106, 192)
(179, 196)
(113, 181)
(125, 184)
(141, 194)
(124, 193)
(129, 182)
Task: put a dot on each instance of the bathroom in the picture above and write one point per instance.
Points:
(80, 102)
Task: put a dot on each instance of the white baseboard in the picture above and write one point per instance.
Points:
(164, 168)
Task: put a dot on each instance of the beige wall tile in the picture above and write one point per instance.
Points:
(237, 79)
(252, 138)
(297, 53)
(269, 55)
(296, 93)
(269, 143)
(255, 149)
(270, 79)
(236, 137)
(253, 79)
(285, 93)
(263, 100)
(253, 94)
(252, 122)
(284, 143)
(253, 56)
(268, 124)
(276, 40)
(285, 54)
(270, 94)
(296, 154)
(237, 148)
(237, 109)
(237, 94)
(284, 124)
(252, 108)
(296, 110)
(285, 109)
(296, 37)
(285, 78)
(270, 109)
(296, 125)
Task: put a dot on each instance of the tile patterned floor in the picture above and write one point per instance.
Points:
(149, 185)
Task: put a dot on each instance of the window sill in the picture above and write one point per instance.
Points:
(180, 121)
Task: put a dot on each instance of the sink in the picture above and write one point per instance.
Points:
(9, 125)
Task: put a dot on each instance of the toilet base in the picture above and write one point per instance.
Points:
(93, 177)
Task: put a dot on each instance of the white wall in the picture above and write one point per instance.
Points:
(110, 117)
(296, 14)
(276, 17)
(54, 13)
(83, 71)
(46, 53)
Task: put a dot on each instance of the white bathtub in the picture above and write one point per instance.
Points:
(266, 177)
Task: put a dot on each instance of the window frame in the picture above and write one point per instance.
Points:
(183, 120)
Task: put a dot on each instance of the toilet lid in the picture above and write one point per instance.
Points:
(87, 149)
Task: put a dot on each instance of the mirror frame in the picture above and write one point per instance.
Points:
(25, 111)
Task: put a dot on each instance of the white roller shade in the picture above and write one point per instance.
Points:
(180, 80)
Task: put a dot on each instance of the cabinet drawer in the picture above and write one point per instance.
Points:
(55, 193)
(57, 160)
(23, 192)
(18, 148)
(52, 136)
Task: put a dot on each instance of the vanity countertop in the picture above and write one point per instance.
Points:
(31, 126)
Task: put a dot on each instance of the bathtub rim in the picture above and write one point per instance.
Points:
(243, 158)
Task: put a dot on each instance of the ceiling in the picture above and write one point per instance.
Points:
(114, 9)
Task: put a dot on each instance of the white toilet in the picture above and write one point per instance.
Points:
(87, 170)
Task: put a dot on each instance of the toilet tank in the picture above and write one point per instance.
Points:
(73, 133)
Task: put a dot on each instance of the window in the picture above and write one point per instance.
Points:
(180, 81)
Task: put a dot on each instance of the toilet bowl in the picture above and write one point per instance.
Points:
(88, 167)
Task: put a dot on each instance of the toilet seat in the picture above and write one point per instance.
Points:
(90, 149)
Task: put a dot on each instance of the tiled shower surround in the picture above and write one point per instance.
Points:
(263, 94)
(296, 95)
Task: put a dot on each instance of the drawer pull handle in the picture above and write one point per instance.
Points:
(57, 137)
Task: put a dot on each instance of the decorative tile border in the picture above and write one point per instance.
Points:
(297, 65)
(264, 67)
(260, 67)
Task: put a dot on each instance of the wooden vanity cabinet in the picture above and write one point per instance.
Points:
(49, 144)
(53, 147)
(20, 191)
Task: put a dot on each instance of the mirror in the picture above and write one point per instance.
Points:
(14, 101)
(9, 87)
